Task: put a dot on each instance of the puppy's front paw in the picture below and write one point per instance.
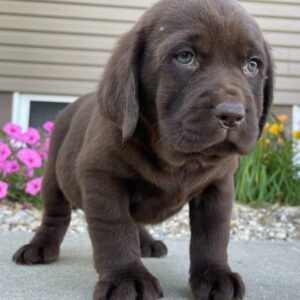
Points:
(33, 254)
(217, 284)
(128, 286)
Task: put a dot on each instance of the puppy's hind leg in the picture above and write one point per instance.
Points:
(44, 247)
(149, 246)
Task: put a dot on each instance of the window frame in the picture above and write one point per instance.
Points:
(296, 117)
(21, 105)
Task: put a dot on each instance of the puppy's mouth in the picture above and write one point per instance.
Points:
(215, 142)
(224, 147)
(221, 149)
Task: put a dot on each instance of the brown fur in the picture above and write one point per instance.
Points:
(148, 143)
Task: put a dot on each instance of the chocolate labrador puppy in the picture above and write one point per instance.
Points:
(185, 92)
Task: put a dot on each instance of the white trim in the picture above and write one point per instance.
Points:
(21, 106)
(296, 118)
(15, 104)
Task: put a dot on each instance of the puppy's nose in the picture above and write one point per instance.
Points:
(230, 115)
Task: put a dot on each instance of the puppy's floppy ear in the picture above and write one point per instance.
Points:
(119, 88)
(268, 90)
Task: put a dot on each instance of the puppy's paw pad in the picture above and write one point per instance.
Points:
(217, 285)
(128, 288)
(154, 248)
(33, 254)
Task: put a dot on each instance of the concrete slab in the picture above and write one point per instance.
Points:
(271, 270)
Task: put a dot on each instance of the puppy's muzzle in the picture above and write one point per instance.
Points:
(229, 115)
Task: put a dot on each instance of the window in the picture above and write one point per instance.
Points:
(34, 110)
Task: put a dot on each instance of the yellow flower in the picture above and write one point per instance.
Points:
(267, 141)
(266, 128)
(276, 129)
(282, 118)
(296, 134)
(263, 142)
(280, 141)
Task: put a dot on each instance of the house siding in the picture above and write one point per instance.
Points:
(61, 46)
(6, 108)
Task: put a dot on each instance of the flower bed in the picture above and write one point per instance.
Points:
(270, 174)
(23, 156)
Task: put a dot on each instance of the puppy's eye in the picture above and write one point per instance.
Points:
(185, 57)
(252, 67)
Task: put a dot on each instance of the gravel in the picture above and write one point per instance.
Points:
(268, 223)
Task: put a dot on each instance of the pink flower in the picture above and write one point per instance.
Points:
(2, 164)
(3, 189)
(31, 137)
(44, 155)
(30, 158)
(44, 149)
(13, 130)
(4, 152)
(11, 167)
(46, 144)
(48, 126)
(34, 186)
(29, 174)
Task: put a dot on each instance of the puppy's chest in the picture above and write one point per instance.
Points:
(155, 200)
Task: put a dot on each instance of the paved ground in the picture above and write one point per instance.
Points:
(271, 271)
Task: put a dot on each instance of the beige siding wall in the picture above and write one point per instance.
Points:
(5, 108)
(61, 46)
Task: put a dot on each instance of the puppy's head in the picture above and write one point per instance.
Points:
(199, 70)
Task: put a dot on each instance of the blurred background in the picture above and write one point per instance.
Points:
(52, 51)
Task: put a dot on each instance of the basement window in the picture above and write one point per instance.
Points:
(35, 110)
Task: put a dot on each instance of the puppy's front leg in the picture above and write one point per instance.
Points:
(115, 241)
(210, 274)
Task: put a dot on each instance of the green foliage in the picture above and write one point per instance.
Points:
(17, 194)
(268, 175)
